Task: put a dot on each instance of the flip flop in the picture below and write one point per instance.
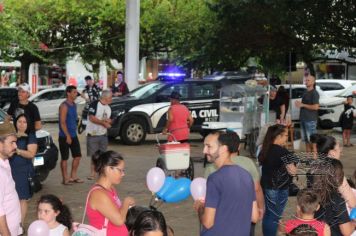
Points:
(68, 182)
(76, 181)
(90, 178)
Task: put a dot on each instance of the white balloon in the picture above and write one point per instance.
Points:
(155, 179)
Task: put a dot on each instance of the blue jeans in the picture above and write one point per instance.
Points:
(275, 201)
(307, 128)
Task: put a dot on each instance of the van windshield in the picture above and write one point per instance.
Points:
(146, 90)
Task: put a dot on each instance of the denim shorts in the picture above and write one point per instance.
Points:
(307, 128)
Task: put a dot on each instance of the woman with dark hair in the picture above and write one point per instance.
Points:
(104, 208)
(21, 163)
(57, 215)
(329, 148)
(277, 168)
(149, 223)
(328, 177)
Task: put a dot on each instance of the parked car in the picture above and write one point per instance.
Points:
(46, 156)
(334, 87)
(328, 105)
(48, 101)
(143, 111)
(7, 95)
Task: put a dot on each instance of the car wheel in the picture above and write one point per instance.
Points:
(133, 132)
(41, 174)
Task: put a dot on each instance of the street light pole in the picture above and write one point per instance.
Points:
(132, 45)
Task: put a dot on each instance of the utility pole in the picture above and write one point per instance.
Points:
(132, 45)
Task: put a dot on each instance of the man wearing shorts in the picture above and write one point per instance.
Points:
(68, 139)
(308, 112)
(98, 123)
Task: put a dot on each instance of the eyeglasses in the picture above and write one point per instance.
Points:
(122, 171)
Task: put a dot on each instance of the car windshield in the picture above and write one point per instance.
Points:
(348, 91)
(146, 90)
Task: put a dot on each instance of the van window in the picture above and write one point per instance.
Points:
(182, 89)
(204, 91)
(330, 86)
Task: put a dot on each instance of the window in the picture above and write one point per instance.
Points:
(182, 89)
(298, 92)
(204, 91)
(330, 86)
(58, 94)
(45, 97)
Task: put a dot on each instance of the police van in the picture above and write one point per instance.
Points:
(143, 111)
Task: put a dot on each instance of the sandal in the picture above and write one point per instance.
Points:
(67, 182)
(90, 177)
(76, 181)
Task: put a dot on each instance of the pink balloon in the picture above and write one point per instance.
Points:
(155, 179)
(198, 188)
(38, 228)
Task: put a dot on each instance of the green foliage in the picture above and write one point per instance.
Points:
(213, 34)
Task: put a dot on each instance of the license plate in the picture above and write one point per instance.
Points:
(38, 161)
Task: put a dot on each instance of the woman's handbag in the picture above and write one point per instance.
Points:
(81, 229)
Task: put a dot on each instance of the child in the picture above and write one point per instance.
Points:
(55, 214)
(346, 121)
(307, 205)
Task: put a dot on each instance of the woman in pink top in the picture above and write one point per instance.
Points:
(104, 202)
(179, 120)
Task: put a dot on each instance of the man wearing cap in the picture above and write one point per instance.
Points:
(23, 105)
(179, 120)
(276, 104)
(119, 88)
(91, 92)
(10, 211)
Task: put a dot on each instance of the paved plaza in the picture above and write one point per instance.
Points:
(139, 159)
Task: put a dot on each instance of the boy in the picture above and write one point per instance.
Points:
(307, 205)
(346, 121)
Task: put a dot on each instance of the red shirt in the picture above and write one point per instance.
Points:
(317, 225)
(179, 125)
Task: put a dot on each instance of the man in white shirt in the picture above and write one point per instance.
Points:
(98, 123)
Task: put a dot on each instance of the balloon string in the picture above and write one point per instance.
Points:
(152, 201)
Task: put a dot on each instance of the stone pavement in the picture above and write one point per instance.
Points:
(139, 159)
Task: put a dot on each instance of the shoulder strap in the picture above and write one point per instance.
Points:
(96, 186)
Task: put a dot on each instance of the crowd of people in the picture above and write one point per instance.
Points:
(239, 194)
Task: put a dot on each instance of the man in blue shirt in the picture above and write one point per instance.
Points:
(230, 203)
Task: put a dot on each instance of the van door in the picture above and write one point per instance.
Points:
(203, 103)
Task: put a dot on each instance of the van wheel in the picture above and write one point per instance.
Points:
(133, 132)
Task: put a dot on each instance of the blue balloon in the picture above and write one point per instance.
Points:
(178, 191)
(168, 182)
(353, 214)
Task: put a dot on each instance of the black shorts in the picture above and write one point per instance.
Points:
(64, 147)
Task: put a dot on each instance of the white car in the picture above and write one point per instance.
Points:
(328, 105)
(334, 87)
(48, 101)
